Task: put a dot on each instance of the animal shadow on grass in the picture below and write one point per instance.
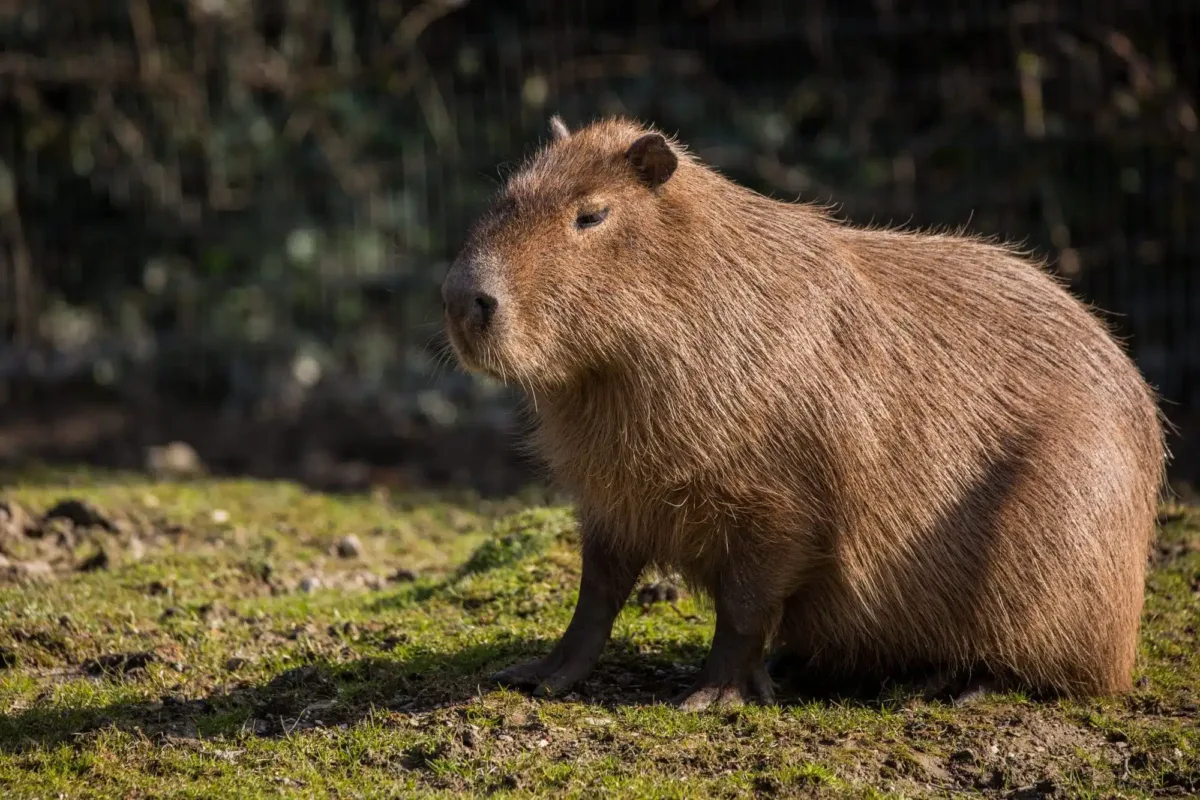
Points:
(323, 693)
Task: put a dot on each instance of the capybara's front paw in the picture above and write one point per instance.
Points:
(549, 677)
(529, 673)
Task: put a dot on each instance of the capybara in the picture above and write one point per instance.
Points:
(877, 450)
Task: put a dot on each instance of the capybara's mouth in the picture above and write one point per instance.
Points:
(474, 355)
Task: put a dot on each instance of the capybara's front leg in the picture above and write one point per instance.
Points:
(607, 580)
(734, 670)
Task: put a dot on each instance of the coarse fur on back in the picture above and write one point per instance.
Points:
(918, 448)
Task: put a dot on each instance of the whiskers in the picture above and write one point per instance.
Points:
(480, 356)
(438, 345)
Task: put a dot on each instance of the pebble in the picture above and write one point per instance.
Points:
(137, 549)
(177, 459)
(349, 547)
(310, 584)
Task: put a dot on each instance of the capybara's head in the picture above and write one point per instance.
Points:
(562, 272)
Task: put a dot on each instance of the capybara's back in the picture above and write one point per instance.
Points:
(883, 449)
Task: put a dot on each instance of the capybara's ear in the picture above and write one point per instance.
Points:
(652, 159)
(558, 128)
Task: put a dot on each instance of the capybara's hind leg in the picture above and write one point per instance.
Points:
(748, 612)
(733, 674)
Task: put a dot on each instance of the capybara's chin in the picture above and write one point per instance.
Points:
(882, 450)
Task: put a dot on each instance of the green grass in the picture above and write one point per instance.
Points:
(254, 681)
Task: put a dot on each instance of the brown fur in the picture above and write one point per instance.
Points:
(882, 448)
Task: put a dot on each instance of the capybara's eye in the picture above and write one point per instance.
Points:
(591, 219)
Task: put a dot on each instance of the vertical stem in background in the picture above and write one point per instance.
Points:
(1029, 74)
(21, 279)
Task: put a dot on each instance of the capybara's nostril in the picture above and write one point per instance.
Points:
(485, 308)
(469, 306)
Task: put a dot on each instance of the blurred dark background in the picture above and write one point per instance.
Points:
(224, 222)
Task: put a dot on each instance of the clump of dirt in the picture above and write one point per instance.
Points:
(71, 535)
(119, 663)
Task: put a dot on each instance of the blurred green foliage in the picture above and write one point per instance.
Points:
(253, 203)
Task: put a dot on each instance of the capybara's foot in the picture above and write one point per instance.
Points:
(959, 691)
(702, 698)
(551, 676)
(526, 674)
(975, 691)
(706, 693)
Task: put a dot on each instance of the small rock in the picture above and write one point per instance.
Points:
(310, 584)
(137, 549)
(79, 514)
(402, 576)
(234, 663)
(965, 756)
(174, 460)
(370, 580)
(349, 547)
